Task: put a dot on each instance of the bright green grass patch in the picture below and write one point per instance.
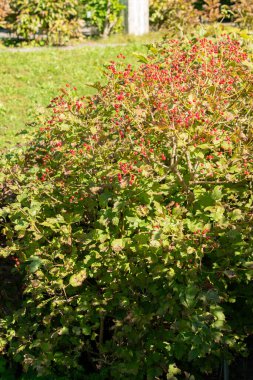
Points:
(30, 80)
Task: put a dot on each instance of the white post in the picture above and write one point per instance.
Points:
(137, 17)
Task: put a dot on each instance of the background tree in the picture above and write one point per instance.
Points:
(106, 15)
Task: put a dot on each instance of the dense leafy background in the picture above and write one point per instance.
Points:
(56, 22)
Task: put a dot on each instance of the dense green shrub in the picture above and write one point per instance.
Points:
(243, 11)
(173, 15)
(60, 20)
(56, 19)
(106, 15)
(7, 373)
(129, 217)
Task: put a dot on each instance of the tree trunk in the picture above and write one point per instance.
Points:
(108, 25)
(137, 17)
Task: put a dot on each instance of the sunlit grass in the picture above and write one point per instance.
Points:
(30, 79)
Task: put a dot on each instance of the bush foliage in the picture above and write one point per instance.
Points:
(243, 10)
(105, 15)
(173, 14)
(55, 19)
(60, 20)
(129, 221)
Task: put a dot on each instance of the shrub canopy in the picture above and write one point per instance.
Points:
(130, 215)
(56, 19)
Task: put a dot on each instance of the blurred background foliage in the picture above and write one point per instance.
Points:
(55, 22)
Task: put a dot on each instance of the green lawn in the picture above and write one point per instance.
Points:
(29, 80)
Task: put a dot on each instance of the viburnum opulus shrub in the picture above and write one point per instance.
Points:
(129, 218)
